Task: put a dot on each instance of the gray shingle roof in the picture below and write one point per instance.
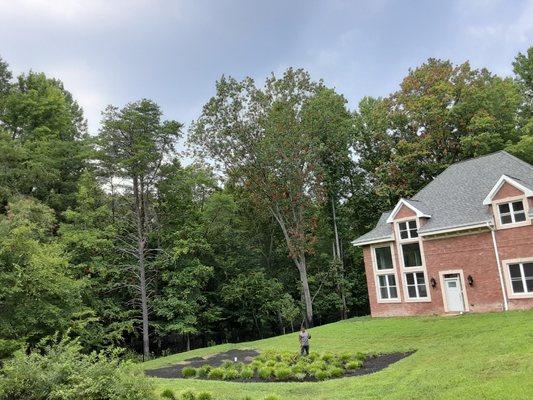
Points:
(455, 197)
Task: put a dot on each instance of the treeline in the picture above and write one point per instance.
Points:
(109, 237)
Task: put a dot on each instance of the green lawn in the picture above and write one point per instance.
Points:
(474, 356)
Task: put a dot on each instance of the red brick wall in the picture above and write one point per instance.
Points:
(516, 243)
(507, 190)
(474, 254)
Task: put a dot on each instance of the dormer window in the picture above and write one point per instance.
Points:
(512, 212)
(408, 229)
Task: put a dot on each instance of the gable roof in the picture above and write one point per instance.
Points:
(506, 179)
(454, 199)
(413, 205)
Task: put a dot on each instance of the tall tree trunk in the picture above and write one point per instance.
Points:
(302, 268)
(298, 256)
(337, 255)
(138, 192)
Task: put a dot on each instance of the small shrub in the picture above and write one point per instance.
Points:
(204, 396)
(264, 373)
(322, 375)
(271, 363)
(282, 374)
(351, 365)
(188, 395)
(216, 373)
(247, 373)
(168, 394)
(230, 374)
(256, 364)
(227, 364)
(360, 356)
(328, 357)
(313, 356)
(203, 371)
(335, 372)
(188, 372)
(345, 357)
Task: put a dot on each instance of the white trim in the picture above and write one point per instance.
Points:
(403, 202)
(454, 229)
(404, 270)
(507, 275)
(499, 266)
(372, 241)
(463, 288)
(380, 272)
(506, 179)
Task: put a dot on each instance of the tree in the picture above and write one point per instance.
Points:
(259, 136)
(43, 138)
(136, 142)
(89, 234)
(38, 292)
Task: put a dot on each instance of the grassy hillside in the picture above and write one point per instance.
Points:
(474, 356)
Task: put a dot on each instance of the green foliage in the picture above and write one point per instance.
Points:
(265, 373)
(216, 373)
(168, 394)
(246, 373)
(322, 375)
(38, 290)
(283, 373)
(351, 365)
(189, 372)
(204, 396)
(230, 374)
(272, 397)
(203, 371)
(188, 395)
(57, 370)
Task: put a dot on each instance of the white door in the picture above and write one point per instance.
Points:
(454, 293)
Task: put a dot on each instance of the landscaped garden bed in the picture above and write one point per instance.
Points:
(271, 366)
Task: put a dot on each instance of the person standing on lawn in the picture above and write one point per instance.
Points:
(304, 341)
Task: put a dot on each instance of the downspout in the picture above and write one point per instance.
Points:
(497, 254)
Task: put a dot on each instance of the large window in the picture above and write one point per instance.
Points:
(416, 285)
(411, 255)
(512, 212)
(521, 275)
(387, 287)
(408, 229)
(383, 257)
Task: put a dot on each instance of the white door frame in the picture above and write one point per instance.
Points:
(463, 288)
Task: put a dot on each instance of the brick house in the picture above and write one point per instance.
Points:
(464, 243)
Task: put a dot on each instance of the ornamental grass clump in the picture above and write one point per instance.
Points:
(188, 372)
(265, 373)
(216, 373)
(283, 373)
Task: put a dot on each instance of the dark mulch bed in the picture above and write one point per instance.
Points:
(216, 360)
(371, 365)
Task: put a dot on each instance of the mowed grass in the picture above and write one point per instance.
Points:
(473, 356)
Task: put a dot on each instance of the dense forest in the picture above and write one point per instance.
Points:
(111, 238)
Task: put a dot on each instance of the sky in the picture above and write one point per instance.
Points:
(115, 52)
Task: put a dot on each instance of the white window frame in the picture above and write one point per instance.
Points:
(381, 272)
(408, 230)
(406, 270)
(507, 276)
(497, 215)
(415, 285)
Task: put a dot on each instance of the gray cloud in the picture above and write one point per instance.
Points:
(173, 51)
